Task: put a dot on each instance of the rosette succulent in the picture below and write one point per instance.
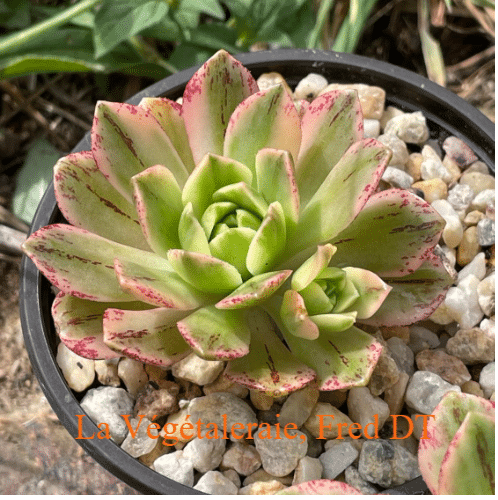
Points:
(238, 227)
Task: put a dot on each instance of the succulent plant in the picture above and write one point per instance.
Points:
(458, 456)
(187, 221)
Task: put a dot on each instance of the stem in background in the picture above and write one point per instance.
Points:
(16, 40)
(150, 54)
(321, 19)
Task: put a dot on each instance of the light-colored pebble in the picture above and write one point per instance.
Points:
(478, 166)
(433, 189)
(448, 367)
(364, 408)
(422, 338)
(487, 379)
(459, 151)
(450, 254)
(79, 372)
(205, 453)
(176, 421)
(402, 354)
(280, 456)
(462, 302)
(222, 384)
(298, 406)
(483, 199)
(215, 483)
(472, 346)
(472, 387)
(385, 373)
(425, 390)
(397, 178)
(409, 127)
(413, 166)
(133, 374)
(487, 325)
(452, 168)
(233, 476)
(308, 469)
(486, 232)
(472, 218)
(469, 246)
(262, 488)
(486, 294)
(398, 147)
(371, 128)
(460, 197)
(389, 112)
(394, 395)
(477, 181)
(335, 460)
(433, 168)
(106, 405)
(353, 478)
(453, 231)
(262, 475)
(197, 370)
(176, 467)
(310, 86)
(477, 268)
(330, 418)
(268, 80)
(107, 372)
(243, 458)
(260, 400)
(372, 99)
(139, 443)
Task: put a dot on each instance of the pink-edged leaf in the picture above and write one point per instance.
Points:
(211, 174)
(81, 263)
(372, 291)
(204, 272)
(275, 180)
(216, 334)
(79, 325)
(269, 367)
(449, 415)
(294, 315)
(169, 115)
(415, 296)
(391, 236)
(267, 119)
(343, 193)
(158, 199)
(471, 454)
(334, 322)
(254, 291)
(158, 284)
(268, 244)
(128, 139)
(320, 487)
(340, 359)
(87, 200)
(330, 125)
(312, 267)
(209, 100)
(149, 336)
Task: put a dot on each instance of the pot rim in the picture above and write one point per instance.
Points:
(38, 330)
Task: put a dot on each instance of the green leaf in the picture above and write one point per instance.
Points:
(210, 7)
(294, 315)
(15, 14)
(132, 18)
(216, 334)
(191, 233)
(34, 178)
(312, 267)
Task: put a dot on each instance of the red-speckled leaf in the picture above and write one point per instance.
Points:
(276, 182)
(211, 174)
(330, 125)
(269, 367)
(320, 487)
(150, 336)
(204, 272)
(79, 325)
(216, 334)
(294, 315)
(128, 139)
(267, 119)
(391, 236)
(449, 415)
(169, 115)
(340, 359)
(415, 296)
(373, 291)
(343, 193)
(209, 100)
(254, 291)
(158, 284)
(87, 200)
(81, 263)
(471, 454)
(158, 199)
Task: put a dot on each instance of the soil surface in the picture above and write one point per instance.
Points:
(37, 454)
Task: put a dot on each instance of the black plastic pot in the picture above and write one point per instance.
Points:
(446, 114)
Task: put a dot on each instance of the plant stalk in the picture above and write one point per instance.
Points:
(321, 19)
(16, 40)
